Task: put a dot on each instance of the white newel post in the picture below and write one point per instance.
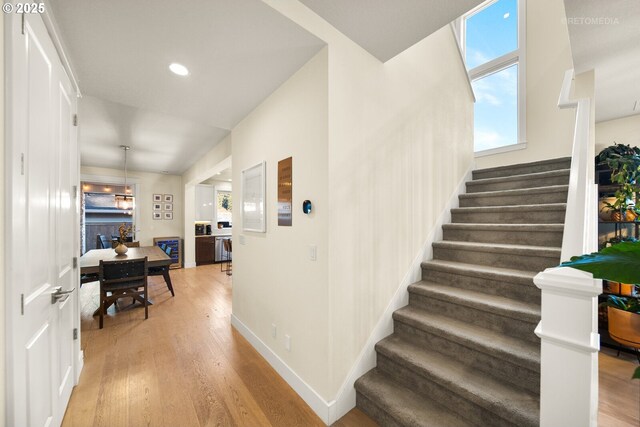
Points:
(569, 347)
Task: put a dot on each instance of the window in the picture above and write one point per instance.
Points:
(493, 47)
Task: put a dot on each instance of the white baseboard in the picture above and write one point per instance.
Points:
(346, 398)
(79, 367)
(321, 407)
(189, 264)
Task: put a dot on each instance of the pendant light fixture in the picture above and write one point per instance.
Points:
(126, 201)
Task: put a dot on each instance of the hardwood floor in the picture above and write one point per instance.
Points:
(619, 400)
(184, 366)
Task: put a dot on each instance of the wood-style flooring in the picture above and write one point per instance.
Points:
(619, 401)
(184, 366)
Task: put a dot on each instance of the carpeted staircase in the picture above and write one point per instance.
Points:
(463, 352)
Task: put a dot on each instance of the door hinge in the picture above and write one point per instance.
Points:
(22, 304)
(23, 18)
(75, 262)
(75, 191)
(75, 333)
(75, 120)
(21, 163)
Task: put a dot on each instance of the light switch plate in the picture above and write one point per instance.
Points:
(241, 237)
(313, 252)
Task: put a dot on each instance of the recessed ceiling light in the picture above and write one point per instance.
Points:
(179, 69)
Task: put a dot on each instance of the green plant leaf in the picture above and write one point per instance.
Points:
(636, 374)
(618, 263)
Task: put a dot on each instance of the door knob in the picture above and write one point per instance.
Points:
(59, 295)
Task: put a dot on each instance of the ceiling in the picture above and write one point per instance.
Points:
(160, 142)
(237, 51)
(224, 175)
(605, 37)
(385, 28)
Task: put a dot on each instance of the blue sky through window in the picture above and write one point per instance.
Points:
(496, 109)
(489, 34)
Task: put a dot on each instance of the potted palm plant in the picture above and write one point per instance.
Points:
(618, 263)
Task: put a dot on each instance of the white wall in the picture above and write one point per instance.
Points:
(623, 131)
(548, 56)
(2, 238)
(399, 141)
(148, 184)
(273, 279)
(216, 160)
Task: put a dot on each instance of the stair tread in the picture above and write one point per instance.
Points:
(516, 192)
(500, 345)
(501, 398)
(519, 165)
(512, 208)
(520, 177)
(502, 227)
(499, 247)
(479, 269)
(492, 303)
(404, 405)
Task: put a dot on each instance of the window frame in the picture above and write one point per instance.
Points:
(517, 56)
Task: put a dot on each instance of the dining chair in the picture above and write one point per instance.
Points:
(102, 242)
(123, 279)
(163, 271)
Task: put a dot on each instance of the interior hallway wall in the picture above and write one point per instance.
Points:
(548, 55)
(2, 233)
(400, 141)
(274, 281)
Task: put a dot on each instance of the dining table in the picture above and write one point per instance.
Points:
(158, 262)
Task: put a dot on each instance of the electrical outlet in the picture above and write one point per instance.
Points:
(287, 342)
(313, 252)
(274, 330)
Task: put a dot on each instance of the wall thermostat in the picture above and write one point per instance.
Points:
(306, 207)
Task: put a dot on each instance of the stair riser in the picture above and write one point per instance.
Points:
(530, 217)
(528, 262)
(525, 291)
(374, 412)
(522, 170)
(424, 383)
(510, 371)
(506, 325)
(513, 200)
(531, 238)
(518, 184)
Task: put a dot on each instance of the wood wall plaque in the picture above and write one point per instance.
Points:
(285, 191)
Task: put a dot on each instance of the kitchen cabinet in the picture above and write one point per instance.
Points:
(205, 206)
(205, 250)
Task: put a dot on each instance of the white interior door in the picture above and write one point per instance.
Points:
(42, 148)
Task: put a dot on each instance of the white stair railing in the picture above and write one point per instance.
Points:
(569, 326)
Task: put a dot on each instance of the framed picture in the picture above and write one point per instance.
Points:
(253, 191)
(168, 198)
(157, 197)
(157, 215)
(168, 215)
(157, 206)
(168, 206)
